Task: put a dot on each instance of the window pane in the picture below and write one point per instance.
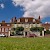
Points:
(6, 29)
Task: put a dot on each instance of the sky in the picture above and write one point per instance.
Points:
(25, 8)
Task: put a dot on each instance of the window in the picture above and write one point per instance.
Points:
(49, 29)
(8, 24)
(31, 25)
(15, 25)
(9, 28)
(6, 29)
(26, 26)
(18, 20)
(0, 24)
(33, 20)
(26, 20)
(2, 29)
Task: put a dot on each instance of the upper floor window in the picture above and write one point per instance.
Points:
(9, 28)
(6, 29)
(15, 25)
(8, 24)
(49, 29)
(26, 25)
(33, 20)
(0, 24)
(18, 20)
(2, 29)
(26, 20)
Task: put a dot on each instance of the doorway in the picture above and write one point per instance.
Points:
(26, 33)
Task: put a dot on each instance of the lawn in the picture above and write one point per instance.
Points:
(24, 43)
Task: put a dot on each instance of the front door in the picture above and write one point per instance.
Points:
(26, 33)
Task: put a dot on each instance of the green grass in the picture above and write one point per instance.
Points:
(24, 43)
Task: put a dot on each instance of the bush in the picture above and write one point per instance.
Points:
(47, 32)
(36, 29)
(19, 29)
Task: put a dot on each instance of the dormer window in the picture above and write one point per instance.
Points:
(18, 20)
(0, 24)
(8, 24)
(26, 20)
(33, 20)
(15, 25)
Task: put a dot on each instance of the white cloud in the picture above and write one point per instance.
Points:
(2, 5)
(34, 8)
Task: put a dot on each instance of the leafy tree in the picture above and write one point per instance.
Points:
(19, 29)
(36, 29)
(40, 28)
(47, 32)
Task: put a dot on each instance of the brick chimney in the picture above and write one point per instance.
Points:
(14, 19)
(39, 18)
(3, 21)
(11, 20)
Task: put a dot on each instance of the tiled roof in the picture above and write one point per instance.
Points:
(46, 26)
(30, 20)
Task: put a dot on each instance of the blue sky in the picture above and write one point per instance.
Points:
(10, 11)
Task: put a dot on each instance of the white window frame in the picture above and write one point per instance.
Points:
(26, 20)
(6, 29)
(33, 20)
(0, 24)
(2, 29)
(18, 20)
(8, 24)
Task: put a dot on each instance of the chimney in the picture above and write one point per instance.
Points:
(11, 20)
(14, 19)
(3, 21)
(39, 18)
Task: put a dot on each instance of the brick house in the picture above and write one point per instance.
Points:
(5, 28)
(46, 27)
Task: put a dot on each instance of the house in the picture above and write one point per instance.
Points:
(27, 23)
(46, 27)
(5, 28)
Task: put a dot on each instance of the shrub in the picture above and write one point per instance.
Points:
(36, 29)
(47, 32)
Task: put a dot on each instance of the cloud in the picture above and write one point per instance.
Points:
(2, 5)
(34, 8)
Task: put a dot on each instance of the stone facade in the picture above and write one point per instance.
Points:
(27, 23)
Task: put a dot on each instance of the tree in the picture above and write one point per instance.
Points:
(13, 31)
(47, 32)
(36, 29)
(19, 30)
(40, 28)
